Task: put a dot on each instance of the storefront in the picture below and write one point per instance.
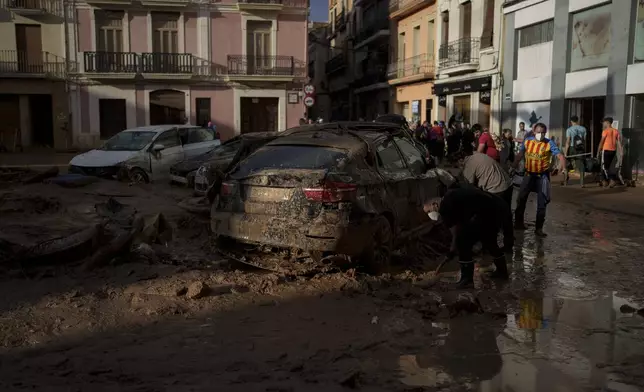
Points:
(414, 102)
(469, 99)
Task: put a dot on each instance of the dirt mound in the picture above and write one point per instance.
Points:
(31, 204)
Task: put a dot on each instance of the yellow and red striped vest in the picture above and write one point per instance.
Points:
(537, 156)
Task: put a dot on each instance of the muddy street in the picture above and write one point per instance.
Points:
(189, 320)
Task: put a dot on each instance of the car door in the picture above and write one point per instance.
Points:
(160, 161)
(421, 187)
(199, 141)
(393, 168)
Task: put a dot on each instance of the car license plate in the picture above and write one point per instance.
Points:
(178, 179)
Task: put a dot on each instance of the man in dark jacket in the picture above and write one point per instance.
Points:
(471, 215)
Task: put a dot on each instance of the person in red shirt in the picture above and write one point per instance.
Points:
(488, 146)
(438, 138)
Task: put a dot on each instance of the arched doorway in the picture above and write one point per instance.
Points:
(167, 107)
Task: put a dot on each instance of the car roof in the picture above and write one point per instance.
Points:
(159, 128)
(343, 135)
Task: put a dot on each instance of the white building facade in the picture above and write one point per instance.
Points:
(468, 83)
(573, 57)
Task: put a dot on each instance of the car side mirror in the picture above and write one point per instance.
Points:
(158, 147)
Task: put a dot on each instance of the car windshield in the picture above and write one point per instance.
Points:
(129, 141)
(289, 157)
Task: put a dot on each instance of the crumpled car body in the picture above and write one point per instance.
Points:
(321, 189)
(147, 152)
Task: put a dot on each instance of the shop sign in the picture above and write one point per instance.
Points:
(480, 84)
(442, 100)
(485, 97)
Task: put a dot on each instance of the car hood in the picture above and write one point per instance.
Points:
(102, 158)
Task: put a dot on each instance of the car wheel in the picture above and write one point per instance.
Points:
(377, 257)
(138, 176)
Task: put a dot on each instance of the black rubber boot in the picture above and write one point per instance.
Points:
(518, 224)
(467, 275)
(501, 270)
(538, 230)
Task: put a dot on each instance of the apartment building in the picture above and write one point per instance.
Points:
(411, 71)
(239, 63)
(318, 55)
(574, 57)
(468, 84)
(33, 100)
(340, 63)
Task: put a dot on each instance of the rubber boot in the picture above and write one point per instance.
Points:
(501, 271)
(467, 275)
(538, 230)
(518, 224)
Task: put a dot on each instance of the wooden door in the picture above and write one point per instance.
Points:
(111, 117)
(29, 48)
(259, 114)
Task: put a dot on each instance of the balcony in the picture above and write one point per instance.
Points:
(459, 56)
(15, 63)
(411, 69)
(371, 31)
(167, 63)
(399, 9)
(335, 64)
(271, 5)
(508, 3)
(261, 67)
(34, 7)
(111, 62)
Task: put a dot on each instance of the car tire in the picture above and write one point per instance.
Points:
(376, 258)
(138, 176)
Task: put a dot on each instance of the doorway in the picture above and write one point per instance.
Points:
(429, 103)
(111, 117)
(29, 48)
(259, 114)
(203, 111)
(42, 120)
(167, 107)
(591, 112)
(462, 107)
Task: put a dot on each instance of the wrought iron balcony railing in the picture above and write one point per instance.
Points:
(111, 62)
(54, 7)
(261, 65)
(461, 52)
(23, 62)
(167, 63)
(414, 66)
(285, 3)
(370, 28)
(340, 21)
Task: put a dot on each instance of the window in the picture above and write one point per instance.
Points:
(401, 46)
(389, 158)
(536, 34)
(462, 106)
(590, 38)
(430, 39)
(445, 28)
(416, 42)
(413, 156)
(488, 25)
(109, 31)
(259, 38)
(165, 28)
(203, 111)
(200, 135)
(168, 139)
(466, 20)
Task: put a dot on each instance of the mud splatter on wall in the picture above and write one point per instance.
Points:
(590, 38)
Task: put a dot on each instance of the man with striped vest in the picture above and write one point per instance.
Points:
(538, 152)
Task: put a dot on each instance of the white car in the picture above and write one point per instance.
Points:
(145, 154)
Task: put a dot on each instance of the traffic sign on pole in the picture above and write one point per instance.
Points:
(309, 89)
(309, 101)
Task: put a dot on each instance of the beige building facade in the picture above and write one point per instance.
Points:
(33, 90)
(412, 66)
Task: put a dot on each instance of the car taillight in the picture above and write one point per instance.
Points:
(331, 192)
(228, 189)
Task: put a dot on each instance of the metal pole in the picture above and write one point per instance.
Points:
(67, 56)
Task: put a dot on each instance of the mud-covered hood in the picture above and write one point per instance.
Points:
(101, 158)
(195, 163)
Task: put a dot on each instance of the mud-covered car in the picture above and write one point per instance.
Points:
(218, 158)
(401, 121)
(330, 189)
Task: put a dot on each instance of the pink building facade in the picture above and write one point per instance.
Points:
(238, 63)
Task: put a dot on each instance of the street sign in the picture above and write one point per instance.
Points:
(309, 89)
(309, 101)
